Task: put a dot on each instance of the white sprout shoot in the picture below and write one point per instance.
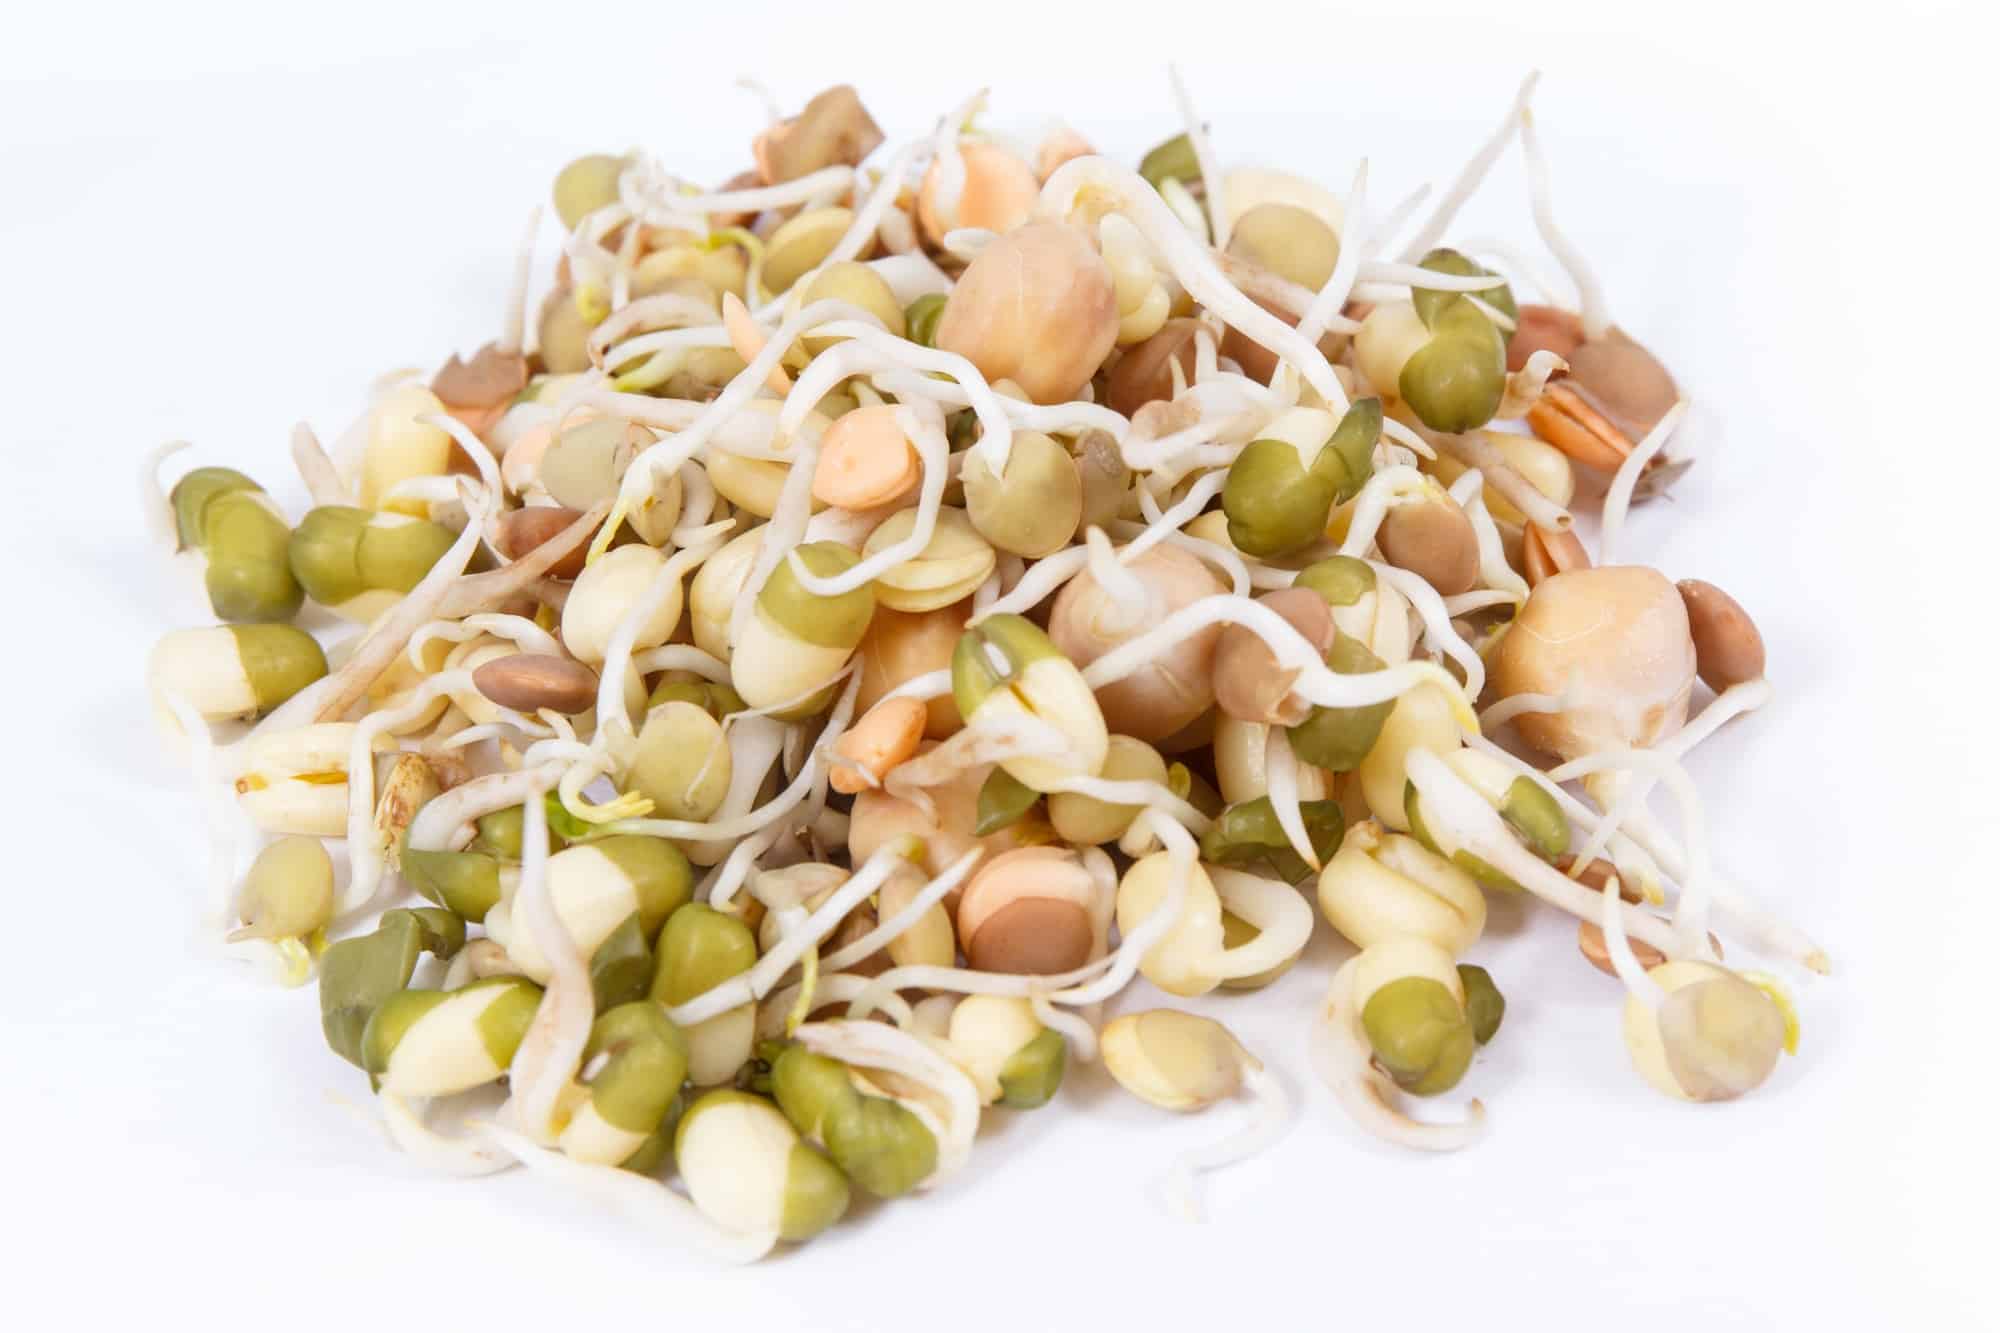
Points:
(1633, 862)
(681, 657)
(1438, 630)
(1136, 791)
(615, 733)
(1332, 296)
(514, 326)
(552, 1049)
(1281, 783)
(586, 768)
(997, 431)
(907, 1057)
(826, 183)
(444, 823)
(1384, 490)
(1618, 496)
(1270, 1115)
(1692, 908)
(893, 928)
(694, 434)
(316, 470)
(218, 811)
(645, 1202)
(468, 1157)
(923, 424)
(1618, 947)
(1204, 157)
(1191, 265)
(698, 497)
(753, 985)
(773, 113)
(522, 632)
(1074, 1029)
(1514, 705)
(831, 988)
(1590, 295)
(1471, 176)
(1460, 819)
(724, 827)
(1159, 923)
(1378, 236)
(1494, 571)
(1341, 1057)
(161, 524)
(329, 698)
(1525, 386)
(1041, 581)
(1316, 683)
(930, 685)
(364, 850)
(965, 243)
(950, 162)
(1385, 274)
(1500, 320)
(1476, 451)
(1049, 418)
(661, 310)
(1519, 265)
(1131, 598)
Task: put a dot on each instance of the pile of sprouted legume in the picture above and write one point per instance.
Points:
(882, 612)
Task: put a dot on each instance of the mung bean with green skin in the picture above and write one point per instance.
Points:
(697, 950)
(357, 975)
(1277, 503)
(636, 1060)
(430, 1043)
(341, 555)
(242, 536)
(881, 1145)
(235, 671)
(749, 1170)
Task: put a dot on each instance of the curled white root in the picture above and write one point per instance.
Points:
(645, 1202)
(1340, 1055)
(552, 1049)
(1618, 496)
(470, 1156)
(1270, 1114)
(954, 1116)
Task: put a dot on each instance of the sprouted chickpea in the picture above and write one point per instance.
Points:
(900, 599)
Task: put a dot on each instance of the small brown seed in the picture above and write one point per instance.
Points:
(1434, 539)
(1543, 328)
(853, 927)
(1035, 937)
(1591, 943)
(1545, 553)
(1728, 650)
(524, 529)
(1248, 682)
(1145, 373)
(490, 379)
(1596, 873)
(530, 681)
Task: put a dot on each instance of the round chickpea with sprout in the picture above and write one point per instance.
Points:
(880, 608)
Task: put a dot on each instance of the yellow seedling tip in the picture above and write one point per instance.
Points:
(294, 961)
(620, 510)
(808, 982)
(1781, 997)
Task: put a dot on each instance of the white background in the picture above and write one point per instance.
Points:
(220, 219)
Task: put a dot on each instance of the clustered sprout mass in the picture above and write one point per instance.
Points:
(875, 613)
